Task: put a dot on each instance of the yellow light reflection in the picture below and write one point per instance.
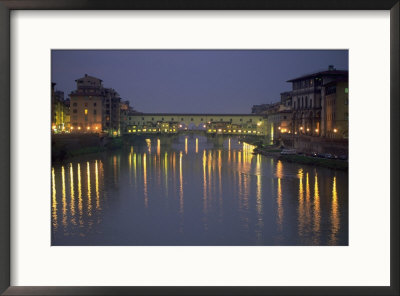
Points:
(220, 178)
(166, 173)
(146, 198)
(279, 169)
(307, 205)
(317, 212)
(259, 203)
(64, 199)
(301, 203)
(158, 146)
(335, 219)
(54, 200)
(186, 145)
(80, 203)
(72, 204)
(204, 181)
(197, 145)
(115, 169)
(148, 142)
(97, 186)
(89, 199)
(280, 207)
(180, 184)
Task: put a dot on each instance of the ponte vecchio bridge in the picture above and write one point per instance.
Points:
(164, 123)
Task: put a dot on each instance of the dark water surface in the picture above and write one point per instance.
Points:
(192, 192)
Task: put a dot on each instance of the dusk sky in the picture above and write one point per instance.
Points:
(193, 81)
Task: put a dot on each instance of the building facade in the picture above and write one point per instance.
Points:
(59, 111)
(336, 109)
(94, 108)
(87, 105)
(308, 101)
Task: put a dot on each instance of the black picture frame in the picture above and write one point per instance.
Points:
(6, 6)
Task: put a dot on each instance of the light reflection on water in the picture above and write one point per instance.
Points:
(193, 191)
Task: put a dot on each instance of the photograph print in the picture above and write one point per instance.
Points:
(199, 148)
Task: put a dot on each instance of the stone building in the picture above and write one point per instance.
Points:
(111, 112)
(336, 109)
(307, 99)
(94, 108)
(87, 105)
(278, 121)
(59, 111)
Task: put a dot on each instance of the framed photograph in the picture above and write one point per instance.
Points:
(228, 148)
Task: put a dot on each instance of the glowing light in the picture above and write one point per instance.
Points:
(72, 127)
(97, 127)
(86, 111)
(79, 127)
(146, 198)
(80, 202)
(148, 142)
(180, 184)
(197, 145)
(308, 129)
(88, 127)
(279, 127)
(259, 123)
(97, 185)
(53, 127)
(335, 216)
(316, 130)
(53, 200)
(219, 130)
(335, 130)
(301, 128)
(89, 200)
(72, 204)
(64, 198)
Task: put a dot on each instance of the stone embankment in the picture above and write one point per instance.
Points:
(64, 146)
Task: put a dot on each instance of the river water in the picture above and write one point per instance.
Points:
(192, 191)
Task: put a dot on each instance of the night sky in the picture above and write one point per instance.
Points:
(193, 81)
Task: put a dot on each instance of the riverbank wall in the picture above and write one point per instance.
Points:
(308, 145)
(68, 145)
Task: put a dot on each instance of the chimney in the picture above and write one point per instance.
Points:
(86, 74)
(331, 68)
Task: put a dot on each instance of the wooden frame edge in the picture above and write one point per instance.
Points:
(7, 5)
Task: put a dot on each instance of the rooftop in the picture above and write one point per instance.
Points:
(330, 72)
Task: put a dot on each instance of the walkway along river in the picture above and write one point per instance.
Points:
(190, 192)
